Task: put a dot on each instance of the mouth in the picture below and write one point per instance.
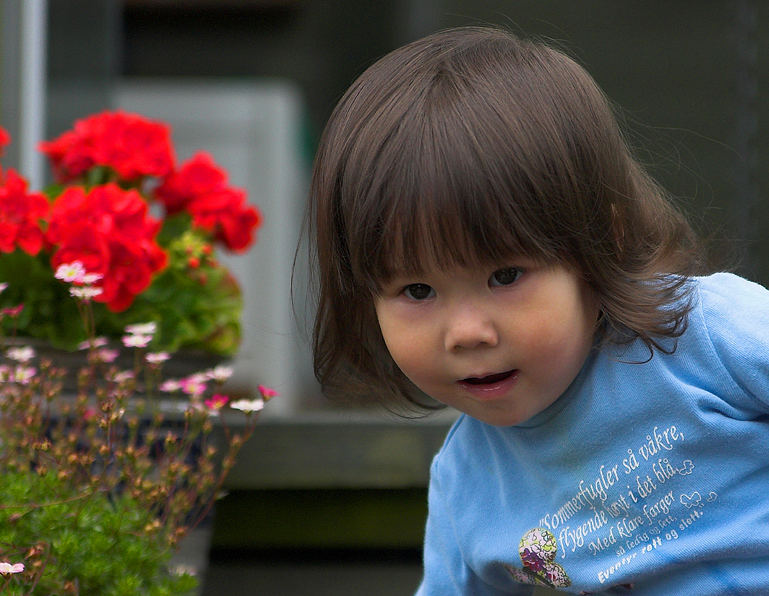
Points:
(488, 380)
(490, 387)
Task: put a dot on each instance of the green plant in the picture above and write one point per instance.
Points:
(101, 544)
(101, 484)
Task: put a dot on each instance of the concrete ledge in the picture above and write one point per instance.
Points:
(339, 450)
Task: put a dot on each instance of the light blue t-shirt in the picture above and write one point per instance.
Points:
(647, 477)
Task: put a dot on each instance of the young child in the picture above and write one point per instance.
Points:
(485, 238)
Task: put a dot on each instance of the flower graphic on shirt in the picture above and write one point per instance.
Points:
(537, 549)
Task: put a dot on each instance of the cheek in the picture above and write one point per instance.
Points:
(407, 343)
(404, 345)
(396, 334)
(565, 334)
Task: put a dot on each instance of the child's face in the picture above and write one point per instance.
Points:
(500, 344)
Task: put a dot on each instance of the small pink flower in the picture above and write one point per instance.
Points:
(267, 392)
(217, 402)
(13, 311)
(106, 355)
(123, 376)
(8, 568)
(96, 342)
(24, 374)
(3, 287)
(192, 386)
(157, 357)
(170, 386)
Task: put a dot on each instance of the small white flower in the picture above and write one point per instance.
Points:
(220, 373)
(21, 354)
(136, 341)
(90, 278)
(248, 405)
(142, 329)
(3, 287)
(70, 272)
(85, 292)
(183, 570)
(6, 568)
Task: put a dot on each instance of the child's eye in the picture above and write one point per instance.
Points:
(505, 276)
(418, 291)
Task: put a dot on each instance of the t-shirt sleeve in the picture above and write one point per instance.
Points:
(736, 314)
(445, 571)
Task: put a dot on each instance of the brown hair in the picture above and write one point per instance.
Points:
(467, 147)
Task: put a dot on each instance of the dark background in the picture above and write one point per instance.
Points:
(688, 75)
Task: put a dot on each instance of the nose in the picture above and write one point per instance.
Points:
(470, 327)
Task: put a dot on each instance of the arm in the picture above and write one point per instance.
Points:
(446, 572)
(736, 314)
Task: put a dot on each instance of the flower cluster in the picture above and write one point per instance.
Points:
(110, 231)
(101, 483)
(200, 187)
(131, 145)
(114, 171)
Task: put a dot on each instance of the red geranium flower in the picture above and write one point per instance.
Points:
(197, 176)
(227, 216)
(110, 231)
(131, 145)
(5, 139)
(200, 187)
(20, 215)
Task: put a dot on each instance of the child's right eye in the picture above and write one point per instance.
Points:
(418, 291)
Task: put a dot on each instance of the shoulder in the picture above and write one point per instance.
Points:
(731, 315)
(720, 293)
(732, 309)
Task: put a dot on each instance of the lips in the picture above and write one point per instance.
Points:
(489, 379)
(491, 386)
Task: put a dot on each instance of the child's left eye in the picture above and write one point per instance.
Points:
(505, 276)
